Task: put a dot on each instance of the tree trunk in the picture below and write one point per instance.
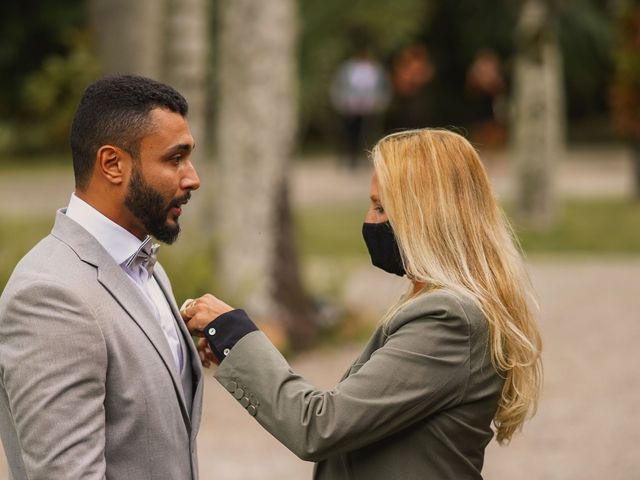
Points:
(296, 309)
(130, 35)
(635, 161)
(539, 114)
(256, 129)
(186, 60)
(167, 40)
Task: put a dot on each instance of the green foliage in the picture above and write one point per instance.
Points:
(46, 63)
(17, 237)
(30, 32)
(585, 31)
(51, 94)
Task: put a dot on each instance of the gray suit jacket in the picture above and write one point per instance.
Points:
(417, 404)
(88, 385)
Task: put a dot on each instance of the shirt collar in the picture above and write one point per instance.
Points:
(118, 242)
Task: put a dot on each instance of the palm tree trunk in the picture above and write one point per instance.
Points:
(539, 114)
(256, 129)
(130, 35)
(186, 61)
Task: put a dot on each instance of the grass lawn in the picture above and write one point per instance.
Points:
(331, 235)
(37, 163)
(609, 226)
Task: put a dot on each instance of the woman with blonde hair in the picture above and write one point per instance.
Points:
(458, 352)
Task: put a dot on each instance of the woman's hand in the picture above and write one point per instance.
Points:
(200, 312)
(197, 314)
(204, 352)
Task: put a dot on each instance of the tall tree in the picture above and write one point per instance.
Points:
(166, 40)
(186, 60)
(256, 131)
(539, 133)
(130, 36)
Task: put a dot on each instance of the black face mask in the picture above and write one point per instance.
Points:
(383, 248)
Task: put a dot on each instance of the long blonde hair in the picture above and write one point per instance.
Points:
(452, 234)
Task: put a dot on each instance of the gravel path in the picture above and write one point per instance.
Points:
(587, 427)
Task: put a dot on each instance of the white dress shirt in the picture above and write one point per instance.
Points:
(121, 245)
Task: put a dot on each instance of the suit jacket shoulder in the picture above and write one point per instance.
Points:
(440, 304)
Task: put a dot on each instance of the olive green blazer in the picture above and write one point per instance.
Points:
(417, 404)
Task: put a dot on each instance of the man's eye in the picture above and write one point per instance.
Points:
(379, 209)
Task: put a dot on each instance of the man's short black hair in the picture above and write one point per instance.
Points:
(115, 110)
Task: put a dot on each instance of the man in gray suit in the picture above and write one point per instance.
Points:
(99, 377)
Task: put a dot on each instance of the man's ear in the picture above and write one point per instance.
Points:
(113, 164)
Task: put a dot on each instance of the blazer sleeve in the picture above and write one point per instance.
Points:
(423, 367)
(53, 372)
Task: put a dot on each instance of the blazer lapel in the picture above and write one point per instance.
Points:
(191, 353)
(123, 290)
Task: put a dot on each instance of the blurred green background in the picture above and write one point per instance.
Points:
(584, 262)
(47, 56)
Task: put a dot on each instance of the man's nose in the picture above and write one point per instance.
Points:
(191, 180)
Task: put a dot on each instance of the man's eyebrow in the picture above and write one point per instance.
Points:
(180, 148)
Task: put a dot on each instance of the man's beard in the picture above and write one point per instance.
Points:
(148, 205)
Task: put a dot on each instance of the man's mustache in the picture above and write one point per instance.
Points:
(178, 201)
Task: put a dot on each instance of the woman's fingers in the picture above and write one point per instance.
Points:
(187, 308)
(217, 305)
(200, 320)
(206, 355)
(206, 306)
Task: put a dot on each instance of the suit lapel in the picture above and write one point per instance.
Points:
(127, 294)
(123, 290)
(191, 351)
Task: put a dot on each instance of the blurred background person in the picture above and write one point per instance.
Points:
(411, 73)
(485, 91)
(625, 87)
(360, 94)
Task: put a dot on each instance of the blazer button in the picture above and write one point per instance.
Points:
(212, 331)
(244, 401)
(231, 386)
(252, 410)
(239, 393)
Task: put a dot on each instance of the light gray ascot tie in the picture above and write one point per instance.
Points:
(145, 256)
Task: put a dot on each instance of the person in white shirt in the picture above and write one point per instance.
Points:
(99, 377)
(360, 93)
